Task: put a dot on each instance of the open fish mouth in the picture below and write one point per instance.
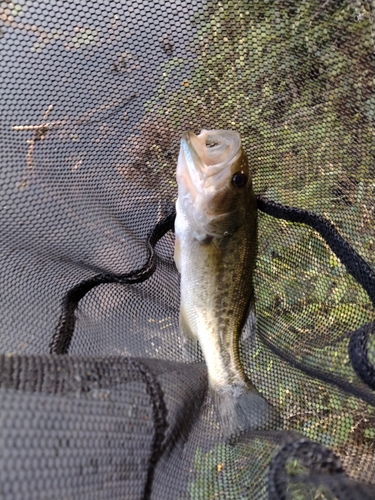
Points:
(208, 157)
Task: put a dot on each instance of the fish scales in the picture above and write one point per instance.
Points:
(216, 246)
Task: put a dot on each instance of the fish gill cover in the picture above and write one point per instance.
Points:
(100, 397)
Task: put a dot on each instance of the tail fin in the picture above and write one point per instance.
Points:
(242, 409)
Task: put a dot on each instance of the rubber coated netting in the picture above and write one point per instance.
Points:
(99, 397)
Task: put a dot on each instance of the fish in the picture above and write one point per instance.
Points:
(215, 254)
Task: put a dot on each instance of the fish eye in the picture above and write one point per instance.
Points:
(239, 179)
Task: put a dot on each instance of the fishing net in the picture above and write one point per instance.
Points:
(100, 398)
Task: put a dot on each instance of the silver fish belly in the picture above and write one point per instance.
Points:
(216, 244)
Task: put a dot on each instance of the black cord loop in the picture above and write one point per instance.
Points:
(64, 331)
(315, 458)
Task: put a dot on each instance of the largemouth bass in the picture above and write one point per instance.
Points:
(215, 251)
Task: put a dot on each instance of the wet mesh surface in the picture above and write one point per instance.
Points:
(94, 99)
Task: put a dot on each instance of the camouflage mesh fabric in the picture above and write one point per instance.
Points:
(99, 397)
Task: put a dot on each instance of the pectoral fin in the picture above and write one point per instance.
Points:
(249, 330)
(185, 328)
(176, 255)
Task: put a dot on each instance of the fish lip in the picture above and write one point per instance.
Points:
(191, 171)
(197, 165)
(189, 150)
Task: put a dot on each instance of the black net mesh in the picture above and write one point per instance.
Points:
(100, 399)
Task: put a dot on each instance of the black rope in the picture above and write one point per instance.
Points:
(353, 262)
(318, 459)
(355, 265)
(316, 372)
(65, 328)
(358, 354)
